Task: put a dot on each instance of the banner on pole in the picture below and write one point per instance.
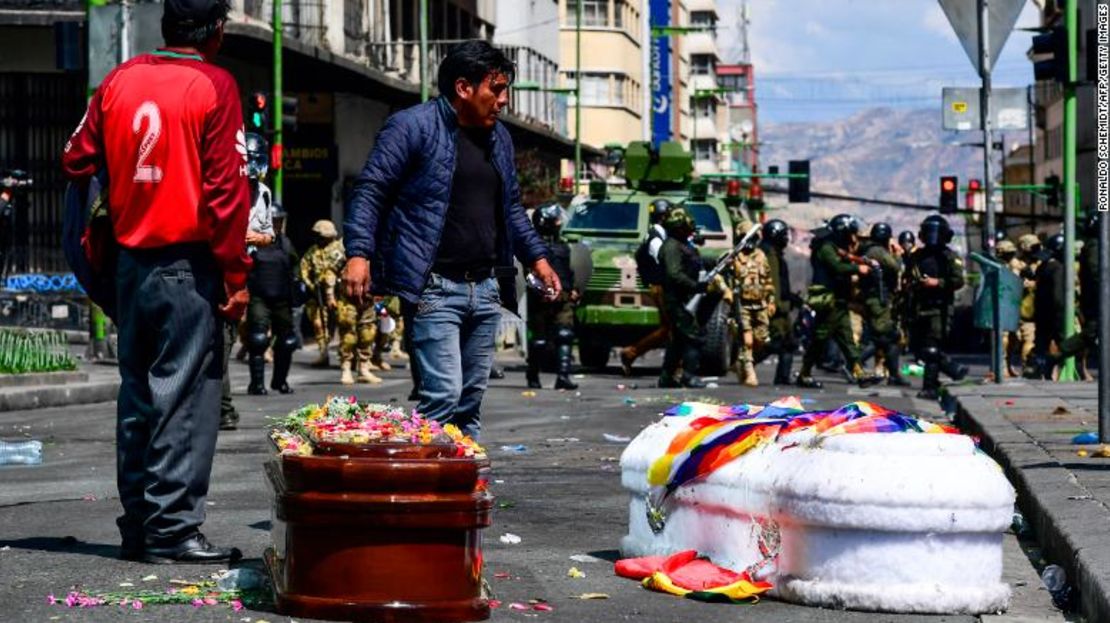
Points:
(660, 17)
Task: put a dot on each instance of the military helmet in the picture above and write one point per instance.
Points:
(1054, 244)
(743, 228)
(258, 156)
(678, 221)
(1006, 247)
(325, 229)
(777, 232)
(658, 210)
(935, 231)
(842, 227)
(1029, 243)
(548, 218)
(881, 233)
(907, 240)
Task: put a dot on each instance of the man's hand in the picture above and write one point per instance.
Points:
(930, 282)
(356, 279)
(542, 269)
(575, 295)
(258, 239)
(864, 269)
(236, 303)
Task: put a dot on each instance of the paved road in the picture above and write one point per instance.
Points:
(562, 497)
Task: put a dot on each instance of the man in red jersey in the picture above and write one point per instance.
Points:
(167, 129)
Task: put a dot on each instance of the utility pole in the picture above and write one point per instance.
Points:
(1071, 23)
(424, 50)
(278, 28)
(988, 182)
(577, 92)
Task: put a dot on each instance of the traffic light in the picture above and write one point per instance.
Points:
(289, 111)
(258, 112)
(1052, 193)
(949, 185)
(797, 188)
(1053, 45)
(974, 187)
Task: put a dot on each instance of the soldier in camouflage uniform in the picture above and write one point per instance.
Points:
(878, 302)
(319, 271)
(358, 332)
(755, 303)
(935, 274)
(1029, 253)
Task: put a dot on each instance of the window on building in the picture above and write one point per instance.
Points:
(705, 107)
(701, 64)
(604, 89)
(705, 149)
(702, 19)
(595, 13)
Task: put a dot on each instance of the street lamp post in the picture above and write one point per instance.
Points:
(577, 92)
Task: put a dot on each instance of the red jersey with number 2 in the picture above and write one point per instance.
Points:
(169, 128)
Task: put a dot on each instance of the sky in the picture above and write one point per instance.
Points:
(826, 59)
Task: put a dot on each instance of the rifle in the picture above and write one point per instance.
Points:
(876, 271)
(723, 264)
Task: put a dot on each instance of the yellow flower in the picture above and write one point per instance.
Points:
(190, 590)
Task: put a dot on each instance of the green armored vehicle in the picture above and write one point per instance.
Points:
(616, 308)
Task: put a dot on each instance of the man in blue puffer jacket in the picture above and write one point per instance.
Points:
(436, 217)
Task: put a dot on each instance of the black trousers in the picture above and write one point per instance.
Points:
(171, 365)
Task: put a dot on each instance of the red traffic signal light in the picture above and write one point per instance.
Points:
(258, 100)
(948, 187)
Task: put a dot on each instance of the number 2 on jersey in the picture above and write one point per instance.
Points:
(147, 173)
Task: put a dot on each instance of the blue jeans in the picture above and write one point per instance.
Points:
(453, 334)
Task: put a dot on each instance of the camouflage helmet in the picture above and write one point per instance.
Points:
(325, 229)
(1028, 243)
(1006, 247)
(677, 220)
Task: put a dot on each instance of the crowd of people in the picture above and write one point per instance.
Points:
(870, 297)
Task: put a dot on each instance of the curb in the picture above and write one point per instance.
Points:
(16, 399)
(1072, 529)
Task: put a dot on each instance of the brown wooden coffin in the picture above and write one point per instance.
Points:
(361, 535)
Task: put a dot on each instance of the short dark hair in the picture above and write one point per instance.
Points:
(192, 33)
(472, 60)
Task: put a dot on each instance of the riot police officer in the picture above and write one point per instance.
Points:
(829, 297)
(1048, 303)
(681, 267)
(270, 311)
(935, 274)
(552, 322)
(878, 302)
(782, 340)
(651, 274)
(1087, 338)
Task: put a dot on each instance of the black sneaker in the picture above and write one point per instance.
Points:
(929, 394)
(668, 382)
(808, 382)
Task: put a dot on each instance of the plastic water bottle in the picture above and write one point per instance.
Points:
(21, 452)
(241, 579)
(1055, 579)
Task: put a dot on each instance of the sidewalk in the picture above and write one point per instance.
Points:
(90, 383)
(1027, 426)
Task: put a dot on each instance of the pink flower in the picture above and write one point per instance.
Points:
(208, 601)
(51, 599)
(137, 604)
(197, 603)
(236, 605)
(71, 600)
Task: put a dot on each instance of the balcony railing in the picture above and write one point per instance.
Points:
(306, 20)
(401, 59)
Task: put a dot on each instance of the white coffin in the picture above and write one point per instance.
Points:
(894, 522)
